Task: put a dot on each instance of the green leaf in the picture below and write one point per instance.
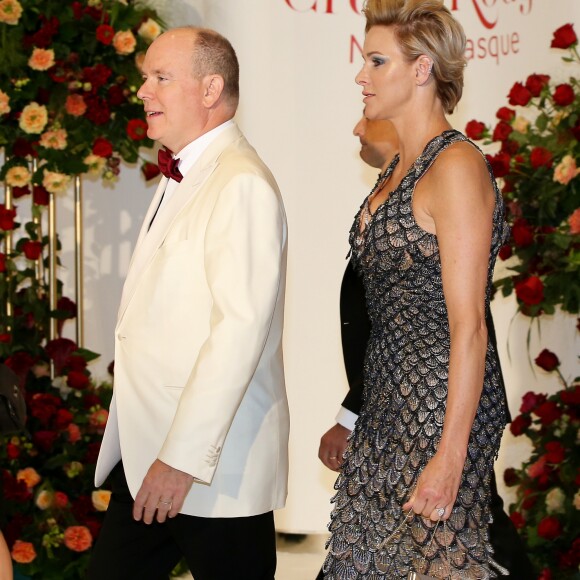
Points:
(87, 354)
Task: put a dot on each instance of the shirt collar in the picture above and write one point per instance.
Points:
(193, 151)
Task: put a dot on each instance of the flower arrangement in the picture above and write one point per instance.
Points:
(537, 162)
(68, 105)
(68, 81)
(547, 508)
(50, 511)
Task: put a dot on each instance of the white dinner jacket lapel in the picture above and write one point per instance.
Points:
(150, 240)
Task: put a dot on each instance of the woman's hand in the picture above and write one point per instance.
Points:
(437, 486)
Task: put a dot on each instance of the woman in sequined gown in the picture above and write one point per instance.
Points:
(425, 242)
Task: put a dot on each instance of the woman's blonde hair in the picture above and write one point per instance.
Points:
(426, 27)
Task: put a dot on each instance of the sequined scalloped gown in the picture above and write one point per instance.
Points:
(405, 393)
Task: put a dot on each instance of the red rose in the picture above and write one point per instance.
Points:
(91, 400)
(549, 528)
(505, 252)
(76, 363)
(62, 419)
(520, 424)
(545, 574)
(548, 412)
(519, 95)
(105, 33)
(518, 520)
(44, 440)
(535, 470)
(505, 114)
(77, 380)
(531, 400)
(510, 147)
(569, 559)
(32, 250)
(43, 37)
(60, 72)
(77, 8)
(150, 171)
(522, 233)
(13, 451)
(59, 351)
(474, 130)
(40, 195)
(97, 75)
(547, 360)
(102, 147)
(14, 489)
(535, 84)
(67, 306)
(500, 164)
(564, 37)
(529, 500)
(5, 337)
(571, 396)
(2, 262)
(60, 499)
(116, 96)
(23, 148)
(530, 291)
(44, 406)
(541, 157)
(98, 110)
(510, 477)
(96, 13)
(563, 95)
(18, 191)
(137, 129)
(6, 218)
(502, 131)
(555, 452)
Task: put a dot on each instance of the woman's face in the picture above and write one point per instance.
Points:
(387, 79)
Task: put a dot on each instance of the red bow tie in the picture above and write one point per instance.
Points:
(168, 165)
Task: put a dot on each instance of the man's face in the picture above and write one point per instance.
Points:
(172, 97)
(378, 141)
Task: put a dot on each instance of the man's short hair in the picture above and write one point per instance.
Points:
(214, 54)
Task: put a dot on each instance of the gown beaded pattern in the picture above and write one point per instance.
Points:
(404, 400)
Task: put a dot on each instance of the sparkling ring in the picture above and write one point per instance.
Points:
(332, 457)
(440, 512)
(169, 502)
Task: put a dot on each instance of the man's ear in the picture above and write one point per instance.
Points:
(423, 68)
(213, 86)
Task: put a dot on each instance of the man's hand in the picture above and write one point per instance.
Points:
(163, 490)
(332, 446)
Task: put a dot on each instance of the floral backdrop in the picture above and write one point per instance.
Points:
(536, 138)
(68, 80)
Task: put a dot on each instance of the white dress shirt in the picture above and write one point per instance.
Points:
(187, 158)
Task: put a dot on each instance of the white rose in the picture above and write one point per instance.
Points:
(555, 501)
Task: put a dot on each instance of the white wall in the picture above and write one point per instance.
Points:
(299, 105)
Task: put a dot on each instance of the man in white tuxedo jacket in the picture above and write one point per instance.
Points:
(197, 436)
